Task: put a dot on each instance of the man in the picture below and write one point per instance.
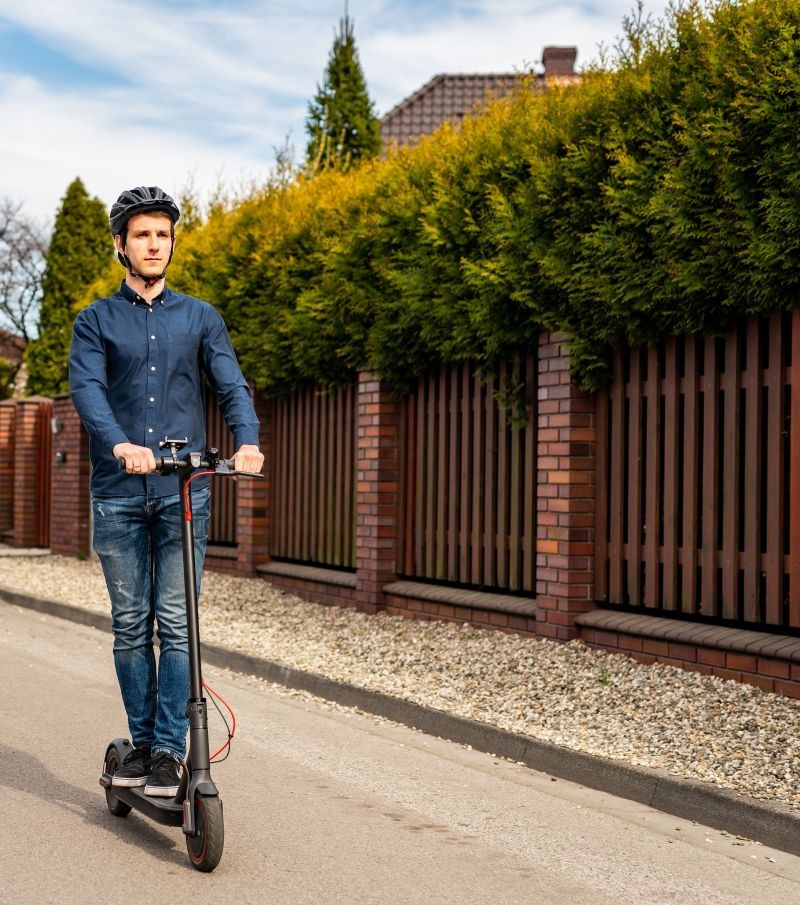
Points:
(135, 372)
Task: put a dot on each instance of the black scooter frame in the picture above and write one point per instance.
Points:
(196, 780)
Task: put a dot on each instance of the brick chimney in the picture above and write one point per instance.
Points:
(559, 61)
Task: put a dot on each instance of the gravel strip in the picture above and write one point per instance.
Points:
(701, 727)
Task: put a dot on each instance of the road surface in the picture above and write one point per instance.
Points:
(324, 805)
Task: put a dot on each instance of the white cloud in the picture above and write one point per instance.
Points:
(212, 88)
(59, 136)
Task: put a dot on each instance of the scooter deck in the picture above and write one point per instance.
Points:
(167, 811)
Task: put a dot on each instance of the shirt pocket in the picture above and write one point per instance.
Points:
(184, 348)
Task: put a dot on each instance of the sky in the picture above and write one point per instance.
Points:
(202, 93)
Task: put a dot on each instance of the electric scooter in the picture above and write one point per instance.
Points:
(197, 807)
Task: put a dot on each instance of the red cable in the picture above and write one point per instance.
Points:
(232, 730)
(186, 510)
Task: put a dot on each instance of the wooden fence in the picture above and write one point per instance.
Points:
(469, 512)
(314, 477)
(698, 476)
(222, 524)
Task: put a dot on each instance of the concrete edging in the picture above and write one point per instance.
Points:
(770, 823)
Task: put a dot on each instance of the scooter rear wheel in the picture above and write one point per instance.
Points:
(205, 847)
(118, 808)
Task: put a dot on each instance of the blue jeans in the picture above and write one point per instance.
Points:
(138, 541)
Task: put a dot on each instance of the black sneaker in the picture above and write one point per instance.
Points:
(165, 776)
(134, 769)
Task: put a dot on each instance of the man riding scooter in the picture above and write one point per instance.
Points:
(136, 366)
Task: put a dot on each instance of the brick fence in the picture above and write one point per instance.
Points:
(564, 606)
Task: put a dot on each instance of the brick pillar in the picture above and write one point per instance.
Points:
(253, 499)
(566, 461)
(70, 505)
(377, 491)
(8, 411)
(28, 465)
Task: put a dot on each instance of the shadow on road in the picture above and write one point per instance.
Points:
(25, 773)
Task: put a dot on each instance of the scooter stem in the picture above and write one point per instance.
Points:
(189, 579)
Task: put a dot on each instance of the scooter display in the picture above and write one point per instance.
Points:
(197, 806)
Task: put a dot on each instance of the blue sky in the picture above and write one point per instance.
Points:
(131, 92)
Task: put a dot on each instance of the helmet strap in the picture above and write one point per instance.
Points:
(149, 282)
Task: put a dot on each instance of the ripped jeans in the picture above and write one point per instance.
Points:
(138, 541)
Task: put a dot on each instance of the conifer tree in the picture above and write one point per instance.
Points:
(80, 249)
(341, 124)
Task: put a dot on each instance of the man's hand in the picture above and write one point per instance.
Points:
(248, 458)
(138, 459)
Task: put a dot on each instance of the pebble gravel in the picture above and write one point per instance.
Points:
(706, 728)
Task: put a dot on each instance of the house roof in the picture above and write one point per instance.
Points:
(443, 98)
(451, 97)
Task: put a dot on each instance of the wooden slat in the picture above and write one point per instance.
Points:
(339, 518)
(710, 488)
(478, 459)
(671, 592)
(490, 485)
(601, 483)
(409, 485)
(751, 502)
(651, 545)
(281, 492)
(454, 448)
(774, 464)
(431, 454)
(635, 479)
(307, 476)
(514, 581)
(440, 494)
(313, 479)
(278, 480)
(349, 477)
(44, 464)
(466, 474)
(421, 538)
(324, 479)
(730, 467)
(529, 467)
(794, 479)
(332, 485)
(500, 537)
(615, 550)
(691, 494)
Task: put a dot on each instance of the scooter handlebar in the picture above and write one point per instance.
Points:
(223, 467)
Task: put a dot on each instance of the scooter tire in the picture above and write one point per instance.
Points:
(118, 808)
(205, 847)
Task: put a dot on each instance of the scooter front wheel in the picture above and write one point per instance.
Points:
(205, 847)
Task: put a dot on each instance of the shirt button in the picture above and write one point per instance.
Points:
(149, 430)
(153, 368)
(152, 337)
(152, 398)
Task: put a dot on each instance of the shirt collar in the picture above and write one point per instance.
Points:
(133, 297)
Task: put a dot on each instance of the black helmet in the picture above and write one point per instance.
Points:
(141, 200)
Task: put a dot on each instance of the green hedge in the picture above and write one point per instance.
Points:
(660, 198)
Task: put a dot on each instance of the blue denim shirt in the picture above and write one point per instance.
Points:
(135, 376)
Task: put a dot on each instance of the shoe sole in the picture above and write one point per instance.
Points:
(161, 791)
(126, 783)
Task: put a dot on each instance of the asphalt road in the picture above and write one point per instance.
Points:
(323, 805)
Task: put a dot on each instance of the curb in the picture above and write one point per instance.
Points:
(771, 823)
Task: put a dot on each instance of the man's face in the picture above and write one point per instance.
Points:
(148, 243)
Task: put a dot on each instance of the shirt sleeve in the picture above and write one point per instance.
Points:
(232, 391)
(88, 382)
